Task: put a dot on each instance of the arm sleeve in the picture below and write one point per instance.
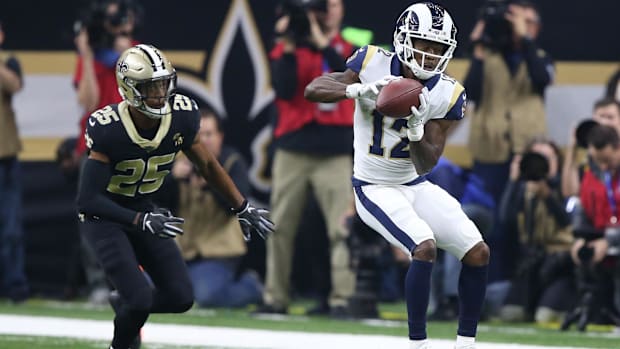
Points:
(239, 174)
(284, 75)
(458, 103)
(473, 81)
(356, 61)
(334, 60)
(91, 198)
(539, 65)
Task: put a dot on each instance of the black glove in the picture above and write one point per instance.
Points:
(160, 222)
(254, 219)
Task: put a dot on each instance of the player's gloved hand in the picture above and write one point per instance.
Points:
(419, 117)
(370, 89)
(160, 222)
(254, 219)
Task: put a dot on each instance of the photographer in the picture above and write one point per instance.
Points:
(104, 32)
(606, 112)
(532, 205)
(506, 81)
(596, 228)
(313, 148)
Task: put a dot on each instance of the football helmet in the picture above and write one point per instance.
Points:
(143, 72)
(427, 21)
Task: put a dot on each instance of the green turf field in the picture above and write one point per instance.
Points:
(393, 314)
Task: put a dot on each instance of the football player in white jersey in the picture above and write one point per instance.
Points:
(393, 155)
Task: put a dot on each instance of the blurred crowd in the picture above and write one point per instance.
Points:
(550, 215)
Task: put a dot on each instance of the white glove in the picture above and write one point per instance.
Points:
(369, 90)
(419, 117)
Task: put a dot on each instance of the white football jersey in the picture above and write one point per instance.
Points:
(380, 143)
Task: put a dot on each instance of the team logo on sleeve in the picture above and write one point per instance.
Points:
(464, 106)
(354, 55)
(177, 139)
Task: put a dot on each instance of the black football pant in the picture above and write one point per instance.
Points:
(121, 251)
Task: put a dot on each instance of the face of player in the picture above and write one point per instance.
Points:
(607, 159)
(155, 93)
(608, 115)
(210, 136)
(548, 152)
(434, 50)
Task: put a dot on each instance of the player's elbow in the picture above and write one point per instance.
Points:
(311, 93)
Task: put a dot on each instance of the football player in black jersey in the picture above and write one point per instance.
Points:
(132, 148)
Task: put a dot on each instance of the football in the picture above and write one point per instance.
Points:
(396, 98)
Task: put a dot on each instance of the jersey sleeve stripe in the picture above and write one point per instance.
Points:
(456, 109)
(371, 52)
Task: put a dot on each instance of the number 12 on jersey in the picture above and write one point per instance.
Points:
(400, 150)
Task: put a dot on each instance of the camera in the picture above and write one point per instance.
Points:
(95, 19)
(582, 132)
(533, 167)
(297, 10)
(497, 29)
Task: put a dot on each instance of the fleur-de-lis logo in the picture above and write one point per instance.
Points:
(123, 67)
(177, 139)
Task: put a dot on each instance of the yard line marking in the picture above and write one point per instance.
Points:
(220, 336)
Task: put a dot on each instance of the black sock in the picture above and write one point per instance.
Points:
(417, 293)
(472, 288)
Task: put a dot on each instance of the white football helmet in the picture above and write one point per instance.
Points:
(427, 21)
(141, 70)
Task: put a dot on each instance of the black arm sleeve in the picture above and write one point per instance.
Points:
(537, 65)
(473, 81)
(284, 76)
(91, 199)
(335, 61)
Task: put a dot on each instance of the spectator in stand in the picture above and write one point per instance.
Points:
(13, 283)
(213, 244)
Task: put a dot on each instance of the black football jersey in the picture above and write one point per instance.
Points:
(140, 159)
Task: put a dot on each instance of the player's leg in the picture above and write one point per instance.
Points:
(388, 210)
(457, 234)
(331, 182)
(116, 256)
(290, 189)
(162, 260)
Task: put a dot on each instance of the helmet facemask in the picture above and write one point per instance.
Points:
(409, 28)
(149, 91)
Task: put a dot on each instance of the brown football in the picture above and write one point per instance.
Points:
(396, 98)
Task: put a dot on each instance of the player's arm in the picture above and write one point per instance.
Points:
(426, 152)
(214, 173)
(91, 199)
(331, 87)
(250, 217)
